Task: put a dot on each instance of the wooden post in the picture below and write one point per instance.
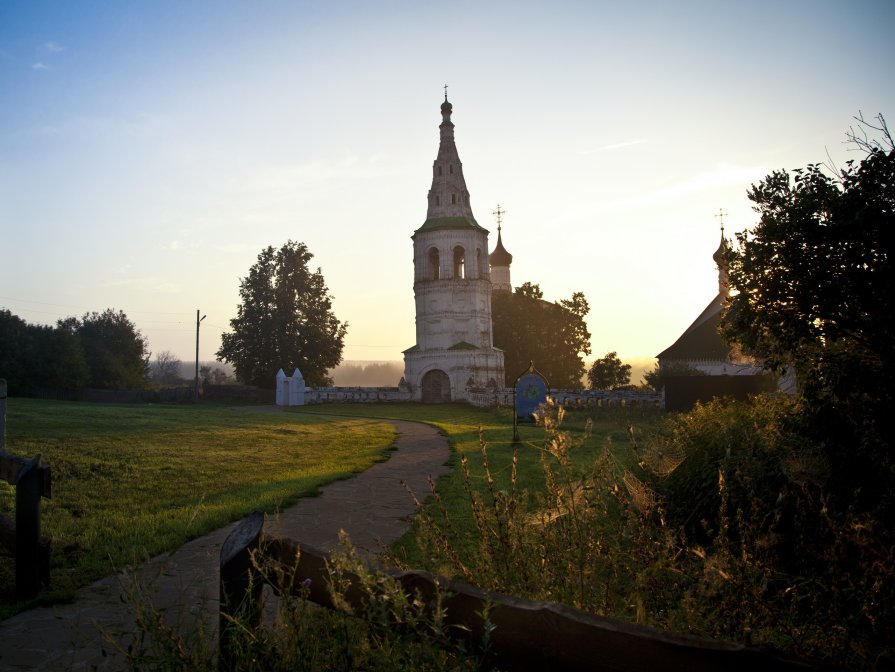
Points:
(28, 560)
(240, 589)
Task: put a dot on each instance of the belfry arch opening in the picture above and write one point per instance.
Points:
(459, 263)
(434, 264)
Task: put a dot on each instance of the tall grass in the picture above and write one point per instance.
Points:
(718, 525)
(386, 630)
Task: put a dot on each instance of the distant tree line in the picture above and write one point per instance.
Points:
(99, 350)
(369, 374)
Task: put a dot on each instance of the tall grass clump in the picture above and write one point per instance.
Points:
(724, 523)
(579, 539)
(387, 629)
(783, 558)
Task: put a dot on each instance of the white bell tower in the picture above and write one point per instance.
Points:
(452, 287)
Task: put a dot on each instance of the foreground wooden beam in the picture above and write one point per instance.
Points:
(240, 586)
(526, 635)
(32, 552)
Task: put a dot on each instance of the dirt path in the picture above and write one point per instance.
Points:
(372, 507)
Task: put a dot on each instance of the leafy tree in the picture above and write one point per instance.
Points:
(552, 335)
(59, 361)
(15, 351)
(530, 291)
(814, 289)
(115, 351)
(285, 321)
(656, 378)
(608, 373)
(37, 356)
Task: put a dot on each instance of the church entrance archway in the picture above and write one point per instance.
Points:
(436, 387)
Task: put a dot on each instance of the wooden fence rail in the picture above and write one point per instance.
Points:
(526, 635)
(22, 537)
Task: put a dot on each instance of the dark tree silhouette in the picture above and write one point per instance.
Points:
(285, 321)
(552, 335)
(814, 290)
(608, 373)
(115, 351)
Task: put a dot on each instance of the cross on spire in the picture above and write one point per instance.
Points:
(499, 214)
(721, 215)
(445, 92)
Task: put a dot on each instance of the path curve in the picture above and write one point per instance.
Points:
(372, 507)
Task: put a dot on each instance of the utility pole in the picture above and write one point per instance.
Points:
(198, 320)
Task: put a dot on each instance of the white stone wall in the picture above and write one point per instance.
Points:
(500, 279)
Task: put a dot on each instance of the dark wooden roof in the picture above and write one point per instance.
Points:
(701, 340)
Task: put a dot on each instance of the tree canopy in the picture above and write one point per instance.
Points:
(101, 350)
(285, 320)
(813, 290)
(552, 335)
(116, 352)
(813, 281)
(608, 373)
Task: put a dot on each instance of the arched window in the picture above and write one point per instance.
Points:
(434, 264)
(453, 199)
(438, 200)
(459, 263)
(451, 168)
(478, 264)
(439, 170)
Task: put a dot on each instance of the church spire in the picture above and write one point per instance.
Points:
(720, 257)
(448, 197)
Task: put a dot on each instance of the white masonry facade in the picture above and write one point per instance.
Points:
(454, 351)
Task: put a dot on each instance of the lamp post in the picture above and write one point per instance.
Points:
(198, 320)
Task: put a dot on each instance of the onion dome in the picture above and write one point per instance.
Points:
(500, 256)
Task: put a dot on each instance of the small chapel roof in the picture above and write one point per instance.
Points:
(701, 340)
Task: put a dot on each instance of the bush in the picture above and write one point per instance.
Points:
(720, 525)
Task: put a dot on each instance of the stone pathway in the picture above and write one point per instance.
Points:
(372, 507)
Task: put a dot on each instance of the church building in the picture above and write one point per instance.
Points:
(700, 365)
(452, 288)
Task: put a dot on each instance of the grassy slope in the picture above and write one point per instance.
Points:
(131, 481)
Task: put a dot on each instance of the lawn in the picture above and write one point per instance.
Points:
(132, 481)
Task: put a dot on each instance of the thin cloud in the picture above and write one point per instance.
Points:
(147, 283)
(40, 66)
(53, 48)
(615, 145)
(723, 175)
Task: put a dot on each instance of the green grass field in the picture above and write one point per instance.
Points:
(131, 481)
(134, 481)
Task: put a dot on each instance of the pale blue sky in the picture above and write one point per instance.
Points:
(150, 150)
